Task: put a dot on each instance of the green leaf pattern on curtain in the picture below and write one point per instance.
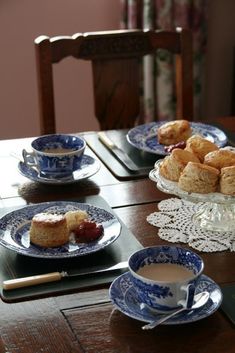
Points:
(158, 71)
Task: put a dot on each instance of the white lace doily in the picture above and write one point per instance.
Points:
(174, 220)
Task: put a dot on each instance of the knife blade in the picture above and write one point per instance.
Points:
(57, 276)
(118, 152)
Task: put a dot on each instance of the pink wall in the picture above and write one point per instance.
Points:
(20, 23)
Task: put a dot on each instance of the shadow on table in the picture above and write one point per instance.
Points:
(36, 192)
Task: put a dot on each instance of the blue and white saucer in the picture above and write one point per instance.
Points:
(124, 297)
(89, 166)
(144, 137)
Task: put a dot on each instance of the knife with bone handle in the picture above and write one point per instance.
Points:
(57, 276)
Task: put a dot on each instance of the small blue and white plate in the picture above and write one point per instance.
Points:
(14, 230)
(144, 137)
(125, 298)
(89, 166)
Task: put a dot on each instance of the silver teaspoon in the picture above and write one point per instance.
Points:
(200, 299)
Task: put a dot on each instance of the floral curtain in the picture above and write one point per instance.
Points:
(157, 70)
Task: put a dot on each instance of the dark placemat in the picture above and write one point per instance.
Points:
(228, 303)
(13, 265)
(144, 160)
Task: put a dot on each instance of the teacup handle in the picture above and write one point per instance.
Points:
(190, 292)
(29, 158)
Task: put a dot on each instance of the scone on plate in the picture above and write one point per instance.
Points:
(173, 132)
(49, 230)
(199, 178)
(227, 181)
(172, 166)
(220, 159)
(199, 146)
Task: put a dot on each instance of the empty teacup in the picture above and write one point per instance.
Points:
(165, 275)
(56, 155)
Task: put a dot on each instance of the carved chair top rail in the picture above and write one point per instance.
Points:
(131, 43)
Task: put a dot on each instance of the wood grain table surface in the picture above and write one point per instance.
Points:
(86, 321)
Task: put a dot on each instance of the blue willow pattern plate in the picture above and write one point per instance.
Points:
(125, 298)
(14, 230)
(144, 137)
(89, 166)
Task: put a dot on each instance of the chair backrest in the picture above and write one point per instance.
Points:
(115, 57)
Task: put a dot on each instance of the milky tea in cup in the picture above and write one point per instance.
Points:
(56, 155)
(165, 275)
(166, 272)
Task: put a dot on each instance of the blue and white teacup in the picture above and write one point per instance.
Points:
(165, 275)
(56, 155)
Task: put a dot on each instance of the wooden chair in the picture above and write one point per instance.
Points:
(115, 57)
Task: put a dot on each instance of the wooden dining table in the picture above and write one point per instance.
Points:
(71, 318)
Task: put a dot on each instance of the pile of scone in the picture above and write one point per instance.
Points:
(201, 167)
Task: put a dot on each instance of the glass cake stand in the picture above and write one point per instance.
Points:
(216, 212)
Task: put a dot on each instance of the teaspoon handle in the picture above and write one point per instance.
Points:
(153, 324)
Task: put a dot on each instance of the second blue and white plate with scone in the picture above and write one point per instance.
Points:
(144, 137)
